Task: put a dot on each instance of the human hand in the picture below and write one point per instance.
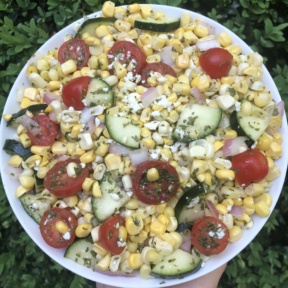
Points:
(209, 280)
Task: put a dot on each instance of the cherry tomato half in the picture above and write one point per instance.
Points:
(49, 231)
(209, 235)
(216, 62)
(127, 53)
(109, 234)
(250, 166)
(60, 184)
(49, 131)
(74, 49)
(75, 91)
(159, 191)
(160, 67)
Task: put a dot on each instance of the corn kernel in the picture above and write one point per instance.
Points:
(153, 257)
(104, 263)
(225, 174)
(224, 39)
(249, 202)
(157, 228)
(108, 9)
(145, 271)
(134, 224)
(68, 67)
(83, 230)
(15, 161)
(135, 260)
(267, 198)
(262, 209)
(235, 233)
(61, 227)
(96, 190)
(221, 209)
(275, 150)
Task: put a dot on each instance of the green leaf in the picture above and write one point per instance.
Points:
(268, 26)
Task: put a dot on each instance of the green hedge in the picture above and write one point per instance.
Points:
(25, 25)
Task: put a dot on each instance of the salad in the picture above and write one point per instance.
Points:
(145, 143)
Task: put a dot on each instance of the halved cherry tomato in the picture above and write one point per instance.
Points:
(249, 166)
(60, 184)
(159, 191)
(75, 91)
(216, 62)
(48, 227)
(74, 49)
(109, 234)
(159, 67)
(127, 53)
(209, 235)
(49, 131)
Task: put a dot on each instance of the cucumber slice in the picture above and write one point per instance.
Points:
(162, 25)
(14, 147)
(36, 205)
(99, 93)
(32, 108)
(125, 131)
(81, 251)
(177, 265)
(190, 206)
(197, 121)
(113, 197)
(90, 25)
(252, 126)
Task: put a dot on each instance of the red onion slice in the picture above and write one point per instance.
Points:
(211, 29)
(13, 172)
(197, 94)
(53, 116)
(166, 55)
(49, 96)
(138, 156)
(281, 108)
(206, 45)
(212, 208)
(90, 125)
(237, 211)
(32, 126)
(149, 96)
(62, 157)
(234, 146)
(186, 244)
(118, 149)
(85, 115)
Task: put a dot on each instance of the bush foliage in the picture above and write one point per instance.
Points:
(26, 24)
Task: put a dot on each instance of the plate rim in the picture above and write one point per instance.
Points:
(105, 279)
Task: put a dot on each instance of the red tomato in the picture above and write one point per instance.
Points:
(49, 131)
(209, 235)
(216, 62)
(161, 68)
(60, 184)
(250, 166)
(109, 234)
(159, 191)
(48, 227)
(75, 91)
(127, 52)
(74, 49)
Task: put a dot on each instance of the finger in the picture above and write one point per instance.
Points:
(209, 280)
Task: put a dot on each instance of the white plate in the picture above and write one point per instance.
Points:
(32, 228)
